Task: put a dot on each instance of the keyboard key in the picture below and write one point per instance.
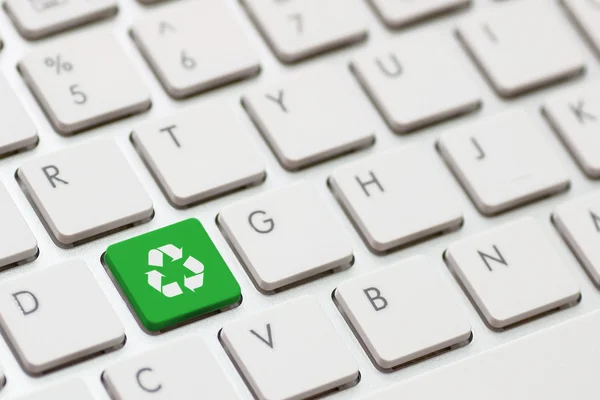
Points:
(575, 116)
(515, 58)
(578, 222)
(35, 19)
(179, 44)
(408, 86)
(17, 243)
(512, 273)
(503, 162)
(18, 130)
(69, 79)
(586, 14)
(70, 390)
(285, 236)
(290, 351)
(318, 115)
(402, 313)
(554, 364)
(172, 275)
(57, 316)
(296, 30)
(84, 191)
(181, 370)
(391, 205)
(398, 14)
(181, 149)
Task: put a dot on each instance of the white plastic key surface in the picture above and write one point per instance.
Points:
(18, 130)
(180, 370)
(285, 236)
(578, 222)
(504, 161)
(199, 153)
(36, 19)
(515, 57)
(575, 116)
(397, 14)
(193, 46)
(17, 242)
(85, 190)
(299, 29)
(403, 312)
(291, 351)
(555, 364)
(407, 84)
(71, 390)
(390, 204)
(512, 273)
(84, 80)
(586, 14)
(318, 114)
(56, 316)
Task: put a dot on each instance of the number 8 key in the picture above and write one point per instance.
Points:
(84, 81)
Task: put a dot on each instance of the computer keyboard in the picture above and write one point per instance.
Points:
(293, 199)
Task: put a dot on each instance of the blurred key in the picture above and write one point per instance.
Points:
(18, 131)
(512, 273)
(575, 116)
(84, 191)
(397, 14)
(586, 13)
(194, 46)
(35, 19)
(514, 57)
(71, 390)
(316, 115)
(181, 148)
(290, 351)
(17, 243)
(84, 80)
(56, 316)
(296, 30)
(181, 370)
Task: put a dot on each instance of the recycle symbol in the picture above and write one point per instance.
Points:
(155, 259)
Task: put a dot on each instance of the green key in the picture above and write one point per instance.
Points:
(172, 275)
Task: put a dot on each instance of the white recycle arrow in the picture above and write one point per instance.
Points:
(155, 259)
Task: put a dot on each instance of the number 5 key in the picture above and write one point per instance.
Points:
(83, 81)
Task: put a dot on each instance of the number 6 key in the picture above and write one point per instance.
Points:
(83, 81)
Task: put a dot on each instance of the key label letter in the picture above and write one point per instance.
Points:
(169, 129)
(146, 388)
(595, 220)
(164, 27)
(267, 225)
(26, 301)
(51, 172)
(375, 298)
(581, 115)
(278, 100)
(480, 152)
(499, 258)
(395, 70)
(268, 342)
(364, 184)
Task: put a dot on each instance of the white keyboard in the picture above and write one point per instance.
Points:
(293, 199)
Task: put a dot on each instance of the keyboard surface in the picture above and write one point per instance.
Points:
(315, 202)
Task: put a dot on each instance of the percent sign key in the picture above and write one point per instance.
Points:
(58, 64)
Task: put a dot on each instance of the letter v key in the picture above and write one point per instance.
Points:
(268, 342)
